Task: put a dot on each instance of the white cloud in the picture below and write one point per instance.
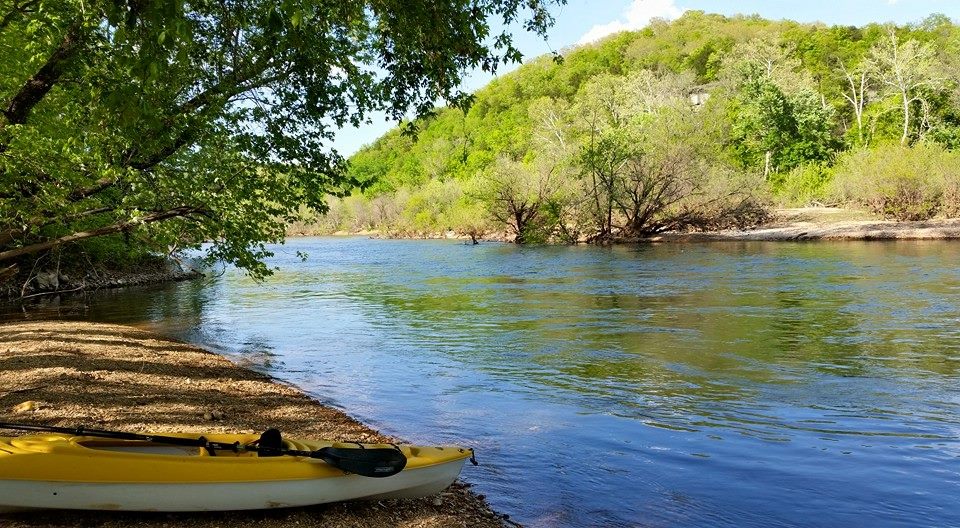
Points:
(636, 16)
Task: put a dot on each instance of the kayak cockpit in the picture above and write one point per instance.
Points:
(152, 448)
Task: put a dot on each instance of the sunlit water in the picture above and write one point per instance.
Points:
(759, 384)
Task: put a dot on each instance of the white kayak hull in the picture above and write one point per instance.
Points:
(214, 496)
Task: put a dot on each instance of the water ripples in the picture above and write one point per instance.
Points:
(731, 384)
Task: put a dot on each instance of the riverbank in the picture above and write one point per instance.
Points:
(54, 280)
(807, 223)
(120, 377)
(825, 223)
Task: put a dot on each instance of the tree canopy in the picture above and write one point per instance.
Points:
(705, 115)
(178, 122)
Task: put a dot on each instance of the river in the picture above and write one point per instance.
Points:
(727, 384)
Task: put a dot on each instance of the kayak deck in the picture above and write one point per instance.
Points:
(74, 472)
(146, 449)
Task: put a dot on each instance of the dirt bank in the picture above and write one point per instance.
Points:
(807, 223)
(109, 376)
(826, 223)
(53, 281)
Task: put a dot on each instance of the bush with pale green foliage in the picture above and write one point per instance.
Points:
(807, 184)
(902, 183)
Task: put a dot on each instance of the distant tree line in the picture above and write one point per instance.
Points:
(701, 123)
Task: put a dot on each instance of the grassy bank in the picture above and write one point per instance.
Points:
(118, 377)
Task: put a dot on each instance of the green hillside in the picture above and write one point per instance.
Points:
(700, 123)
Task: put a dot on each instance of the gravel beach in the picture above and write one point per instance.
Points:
(119, 377)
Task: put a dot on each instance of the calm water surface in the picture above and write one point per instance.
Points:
(755, 384)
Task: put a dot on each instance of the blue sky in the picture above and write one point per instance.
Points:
(583, 20)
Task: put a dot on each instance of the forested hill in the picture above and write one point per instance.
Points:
(698, 123)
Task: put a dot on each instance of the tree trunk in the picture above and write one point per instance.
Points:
(518, 227)
(860, 127)
(906, 119)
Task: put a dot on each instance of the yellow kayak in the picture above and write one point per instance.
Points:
(65, 471)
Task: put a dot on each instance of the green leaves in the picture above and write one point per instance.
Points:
(778, 120)
(214, 119)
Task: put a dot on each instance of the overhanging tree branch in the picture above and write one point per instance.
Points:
(150, 161)
(101, 231)
(34, 90)
(145, 89)
(16, 11)
(86, 192)
(234, 84)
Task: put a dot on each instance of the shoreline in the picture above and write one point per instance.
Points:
(55, 282)
(809, 231)
(788, 225)
(120, 377)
